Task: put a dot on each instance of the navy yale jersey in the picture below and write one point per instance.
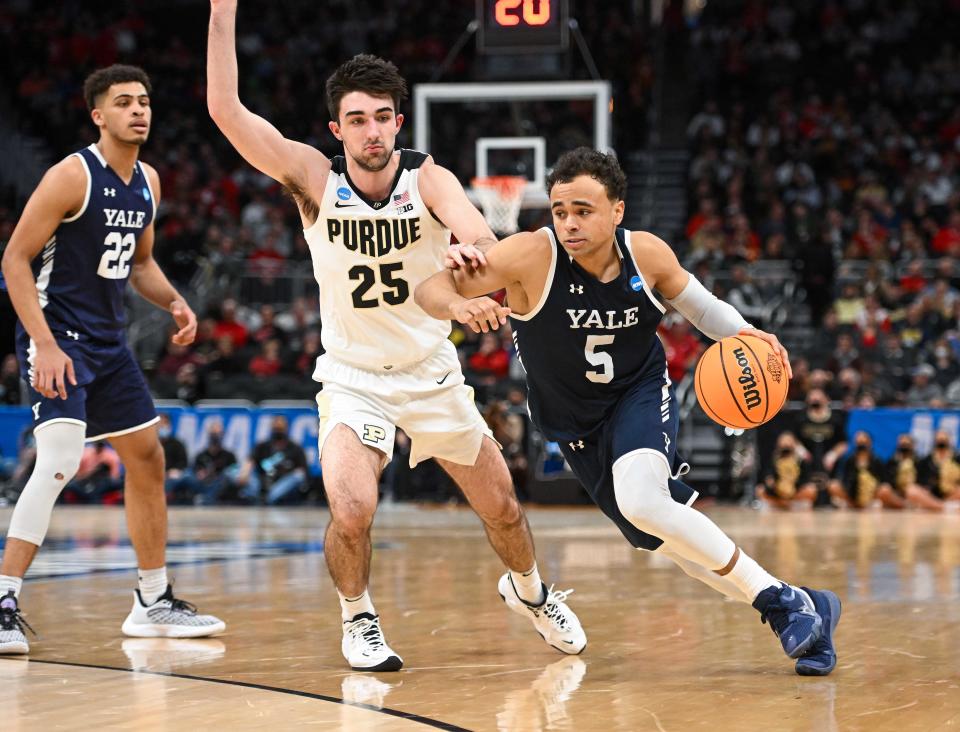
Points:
(586, 343)
(81, 273)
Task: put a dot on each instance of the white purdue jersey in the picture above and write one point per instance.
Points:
(368, 256)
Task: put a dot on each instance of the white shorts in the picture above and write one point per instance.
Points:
(428, 400)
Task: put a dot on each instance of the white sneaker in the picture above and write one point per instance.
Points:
(364, 647)
(12, 639)
(169, 617)
(556, 623)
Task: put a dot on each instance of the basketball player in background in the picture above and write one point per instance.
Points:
(584, 320)
(378, 222)
(86, 231)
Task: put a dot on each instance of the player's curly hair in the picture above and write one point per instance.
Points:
(602, 167)
(369, 74)
(102, 79)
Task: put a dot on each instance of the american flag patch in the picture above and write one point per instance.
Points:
(401, 199)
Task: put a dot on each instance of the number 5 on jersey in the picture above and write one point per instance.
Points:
(114, 262)
(599, 358)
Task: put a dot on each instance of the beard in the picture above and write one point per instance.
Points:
(373, 163)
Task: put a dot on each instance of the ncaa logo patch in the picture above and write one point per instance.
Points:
(344, 193)
(636, 283)
(146, 194)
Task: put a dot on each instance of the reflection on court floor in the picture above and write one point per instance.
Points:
(664, 652)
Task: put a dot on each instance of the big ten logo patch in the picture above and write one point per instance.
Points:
(373, 433)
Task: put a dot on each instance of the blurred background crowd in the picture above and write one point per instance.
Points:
(822, 199)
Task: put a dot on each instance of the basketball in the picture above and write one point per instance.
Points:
(741, 382)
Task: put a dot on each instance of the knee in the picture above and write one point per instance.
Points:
(642, 491)
(502, 510)
(353, 519)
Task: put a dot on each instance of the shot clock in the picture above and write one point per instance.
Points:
(522, 26)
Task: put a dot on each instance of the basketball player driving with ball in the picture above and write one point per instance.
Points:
(584, 317)
(378, 222)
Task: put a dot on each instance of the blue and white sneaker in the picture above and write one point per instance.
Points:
(12, 639)
(792, 616)
(822, 658)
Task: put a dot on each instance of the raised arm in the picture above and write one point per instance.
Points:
(445, 197)
(294, 164)
(711, 316)
(58, 196)
(148, 279)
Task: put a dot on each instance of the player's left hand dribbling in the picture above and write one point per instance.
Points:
(466, 256)
(774, 343)
(186, 321)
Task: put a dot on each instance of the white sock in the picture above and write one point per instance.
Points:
(153, 583)
(8, 583)
(529, 585)
(350, 607)
(750, 577)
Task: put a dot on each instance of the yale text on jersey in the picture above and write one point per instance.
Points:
(125, 219)
(606, 320)
(374, 237)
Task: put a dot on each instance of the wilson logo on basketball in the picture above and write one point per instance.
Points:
(748, 382)
(774, 368)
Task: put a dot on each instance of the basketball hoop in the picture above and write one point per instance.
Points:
(500, 198)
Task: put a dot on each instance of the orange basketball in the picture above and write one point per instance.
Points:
(741, 382)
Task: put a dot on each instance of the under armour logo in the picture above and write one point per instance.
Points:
(578, 445)
(666, 442)
(36, 410)
(73, 334)
(111, 192)
(578, 289)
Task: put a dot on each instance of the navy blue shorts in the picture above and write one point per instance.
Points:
(111, 396)
(646, 417)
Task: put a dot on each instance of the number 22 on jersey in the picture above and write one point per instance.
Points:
(114, 264)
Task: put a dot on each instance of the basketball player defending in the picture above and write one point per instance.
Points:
(585, 319)
(378, 223)
(87, 229)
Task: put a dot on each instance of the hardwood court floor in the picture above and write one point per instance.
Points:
(665, 653)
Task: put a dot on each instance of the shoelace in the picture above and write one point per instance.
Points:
(183, 606)
(14, 620)
(368, 631)
(553, 608)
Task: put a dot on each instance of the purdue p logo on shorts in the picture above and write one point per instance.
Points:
(373, 433)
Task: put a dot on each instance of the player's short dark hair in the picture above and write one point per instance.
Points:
(369, 74)
(602, 167)
(102, 79)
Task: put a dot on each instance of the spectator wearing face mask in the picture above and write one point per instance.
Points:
(787, 482)
(940, 471)
(822, 431)
(903, 474)
(276, 471)
(210, 467)
(178, 481)
(863, 479)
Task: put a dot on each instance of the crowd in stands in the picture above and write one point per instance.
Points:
(824, 135)
(827, 135)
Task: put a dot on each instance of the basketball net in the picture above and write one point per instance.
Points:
(500, 198)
